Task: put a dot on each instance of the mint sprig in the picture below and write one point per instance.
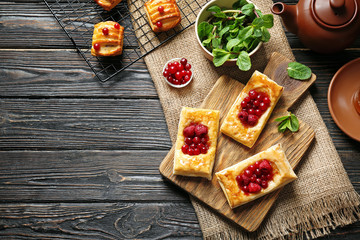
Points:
(234, 33)
(298, 71)
(288, 122)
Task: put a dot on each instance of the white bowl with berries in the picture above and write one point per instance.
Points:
(177, 72)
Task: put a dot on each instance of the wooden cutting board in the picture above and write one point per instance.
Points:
(229, 152)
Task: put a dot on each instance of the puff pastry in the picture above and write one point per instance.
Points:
(282, 174)
(236, 129)
(162, 14)
(108, 4)
(107, 39)
(196, 142)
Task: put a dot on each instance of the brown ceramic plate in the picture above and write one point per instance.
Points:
(343, 86)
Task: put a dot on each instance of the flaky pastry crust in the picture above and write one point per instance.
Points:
(108, 4)
(283, 174)
(170, 18)
(111, 44)
(198, 165)
(232, 125)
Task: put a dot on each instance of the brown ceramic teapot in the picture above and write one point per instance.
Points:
(325, 26)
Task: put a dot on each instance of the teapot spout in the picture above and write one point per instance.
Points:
(289, 15)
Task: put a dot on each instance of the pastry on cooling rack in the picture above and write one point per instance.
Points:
(107, 39)
(251, 110)
(196, 142)
(256, 176)
(163, 15)
(108, 4)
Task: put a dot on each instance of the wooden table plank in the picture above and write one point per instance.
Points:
(99, 221)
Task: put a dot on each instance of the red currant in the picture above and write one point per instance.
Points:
(97, 46)
(117, 26)
(188, 66)
(161, 9)
(159, 24)
(105, 31)
(196, 151)
(186, 78)
(166, 73)
(183, 61)
(178, 76)
(184, 149)
(172, 69)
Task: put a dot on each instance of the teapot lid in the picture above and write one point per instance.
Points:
(334, 13)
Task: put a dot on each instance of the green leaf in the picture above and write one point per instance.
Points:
(259, 13)
(283, 126)
(243, 61)
(257, 23)
(204, 29)
(265, 34)
(239, 4)
(214, 9)
(280, 119)
(220, 56)
(248, 10)
(268, 20)
(294, 123)
(246, 32)
(232, 43)
(298, 71)
(223, 31)
(216, 42)
(220, 15)
(288, 122)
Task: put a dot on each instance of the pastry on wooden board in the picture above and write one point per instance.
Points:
(196, 142)
(162, 15)
(108, 4)
(256, 176)
(107, 39)
(251, 110)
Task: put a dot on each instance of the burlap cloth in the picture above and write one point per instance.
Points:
(320, 200)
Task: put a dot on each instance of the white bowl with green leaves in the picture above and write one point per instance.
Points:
(230, 31)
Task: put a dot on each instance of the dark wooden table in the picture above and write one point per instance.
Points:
(79, 159)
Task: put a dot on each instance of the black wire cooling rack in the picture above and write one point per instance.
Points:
(78, 17)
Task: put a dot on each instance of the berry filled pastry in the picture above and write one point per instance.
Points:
(251, 110)
(162, 14)
(256, 176)
(107, 39)
(108, 4)
(196, 142)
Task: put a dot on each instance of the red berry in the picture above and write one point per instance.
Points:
(264, 184)
(245, 188)
(257, 172)
(188, 141)
(251, 168)
(260, 96)
(266, 100)
(189, 73)
(186, 78)
(253, 178)
(188, 66)
(254, 187)
(203, 150)
(105, 31)
(247, 99)
(166, 73)
(178, 76)
(180, 68)
(204, 139)
(170, 64)
(253, 94)
(256, 103)
(265, 167)
(243, 104)
(193, 146)
(252, 120)
(248, 173)
(201, 130)
(262, 106)
(269, 177)
(243, 116)
(183, 61)
(189, 131)
(190, 151)
(196, 140)
(258, 112)
(176, 64)
(117, 26)
(159, 24)
(161, 9)
(97, 46)
(172, 69)
(196, 151)
(245, 180)
(170, 79)
(185, 148)
(257, 164)
(258, 181)
(251, 111)
(176, 82)
(183, 72)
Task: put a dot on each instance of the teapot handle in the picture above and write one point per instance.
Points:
(336, 4)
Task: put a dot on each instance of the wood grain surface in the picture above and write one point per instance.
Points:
(230, 152)
(48, 192)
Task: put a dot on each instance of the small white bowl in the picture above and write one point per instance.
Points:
(204, 16)
(181, 85)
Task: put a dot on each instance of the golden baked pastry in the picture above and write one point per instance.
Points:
(196, 141)
(256, 176)
(107, 39)
(251, 110)
(163, 15)
(108, 4)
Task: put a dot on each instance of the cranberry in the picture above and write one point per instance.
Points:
(189, 73)
(188, 66)
(253, 94)
(170, 64)
(203, 150)
(196, 151)
(117, 26)
(247, 99)
(258, 112)
(172, 69)
(201, 130)
(245, 188)
(161, 9)
(186, 78)
(170, 78)
(193, 145)
(254, 187)
(159, 24)
(176, 82)
(105, 31)
(251, 168)
(260, 96)
(188, 140)
(166, 73)
(183, 61)
(257, 164)
(176, 64)
(178, 75)
(258, 181)
(252, 120)
(256, 103)
(243, 104)
(266, 100)
(190, 151)
(180, 68)
(185, 148)
(262, 106)
(97, 46)
(251, 111)
(196, 140)
(264, 184)
(183, 72)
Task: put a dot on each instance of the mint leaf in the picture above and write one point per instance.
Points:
(288, 122)
(232, 43)
(204, 29)
(268, 20)
(239, 4)
(265, 34)
(214, 9)
(248, 9)
(298, 71)
(243, 61)
(220, 56)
